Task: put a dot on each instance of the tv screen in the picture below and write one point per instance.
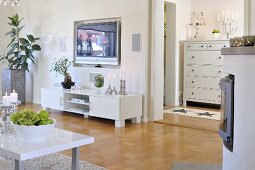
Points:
(97, 42)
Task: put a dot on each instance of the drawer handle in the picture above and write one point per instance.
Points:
(192, 93)
(219, 57)
(193, 57)
(192, 82)
(188, 45)
(219, 95)
(202, 46)
(224, 46)
(192, 70)
(210, 46)
(219, 71)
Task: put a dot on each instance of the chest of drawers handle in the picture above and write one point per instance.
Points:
(193, 57)
(210, 46)
(224, 46)
(202, 46)
(219, 71)
(192, 81)
(192, 70)
(219, 57)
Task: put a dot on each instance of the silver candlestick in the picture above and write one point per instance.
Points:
(109, 90)
(114, 91)
(229, 27)
(123, 87)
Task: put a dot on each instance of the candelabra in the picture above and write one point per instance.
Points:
(123, 87)
(197, 19)
(229, 22)
(229, 26)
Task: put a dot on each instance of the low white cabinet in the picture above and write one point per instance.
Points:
(90, 103)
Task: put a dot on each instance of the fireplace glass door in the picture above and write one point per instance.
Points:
(226, 128)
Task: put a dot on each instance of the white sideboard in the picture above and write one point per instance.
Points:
(91, 103)
(203, 68)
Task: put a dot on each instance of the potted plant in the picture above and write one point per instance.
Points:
(216, 34)
(60, 66)
(20, 52)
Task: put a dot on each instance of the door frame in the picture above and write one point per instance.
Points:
(157, 58)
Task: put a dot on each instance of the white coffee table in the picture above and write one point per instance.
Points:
(59, 140)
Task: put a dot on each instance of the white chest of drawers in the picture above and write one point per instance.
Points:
(203, 68)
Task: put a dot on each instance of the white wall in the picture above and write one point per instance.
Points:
(53, 20)
(252, 17)
(211, 8)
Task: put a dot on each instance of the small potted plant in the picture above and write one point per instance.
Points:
(216, 34)
(60, 67)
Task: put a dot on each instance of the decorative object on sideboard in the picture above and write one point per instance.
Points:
(236, 42)
(60, 67)
(229, 22)
(197, 19)
(242, 41)
(249, 40)
(216, 34)
(10, 2)
(99, 81)
(114, 91)
(20, 51)
(108, 90)
(122, 82)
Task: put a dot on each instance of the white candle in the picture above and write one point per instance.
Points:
(233, 16)
(6, 100)
(223, 16)
(109, 78)
(13, 96)
(120, 74)
(218, 16)
(124, 70)
(237, 16)
(113, 79)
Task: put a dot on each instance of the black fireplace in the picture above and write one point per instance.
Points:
(226, 128)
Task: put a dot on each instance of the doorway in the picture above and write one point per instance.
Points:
(169, 54)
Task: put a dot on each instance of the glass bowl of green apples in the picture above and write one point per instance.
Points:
(32, 126)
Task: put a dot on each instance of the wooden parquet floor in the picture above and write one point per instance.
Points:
(146, 146)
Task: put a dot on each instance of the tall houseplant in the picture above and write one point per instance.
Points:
(20, 51)
(60, 67)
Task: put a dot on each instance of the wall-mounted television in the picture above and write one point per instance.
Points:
(97, 42)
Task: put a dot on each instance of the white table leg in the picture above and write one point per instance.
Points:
(119, 123)
(18, 165)
(136, 119)
(75, 158)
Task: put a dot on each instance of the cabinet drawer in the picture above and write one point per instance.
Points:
(204, 57)
(217, 47)
(196, 46)
(204, 82)
(208, 71)
(203, 94)
(104, 107)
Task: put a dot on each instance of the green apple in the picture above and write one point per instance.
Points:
(43, 114)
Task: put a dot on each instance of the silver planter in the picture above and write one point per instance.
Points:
(14, 80)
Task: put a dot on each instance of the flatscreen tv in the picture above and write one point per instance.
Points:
(97, 42)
